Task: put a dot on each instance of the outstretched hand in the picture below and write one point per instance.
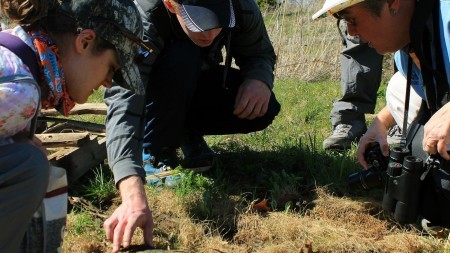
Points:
(132, 213)
(252, 99)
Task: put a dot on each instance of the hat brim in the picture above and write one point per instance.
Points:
(129, 76)
(336, 6)
(206, 17)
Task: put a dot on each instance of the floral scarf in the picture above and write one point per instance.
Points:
(54, 94)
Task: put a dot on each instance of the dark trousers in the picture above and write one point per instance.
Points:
(183, 97)
(24, 173)
(361, 68)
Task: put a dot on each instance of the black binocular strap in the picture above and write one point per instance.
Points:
(403, 142)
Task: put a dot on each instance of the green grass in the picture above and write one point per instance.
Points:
(285, 162)
(82, 223)
(285, 158)
(100, 188)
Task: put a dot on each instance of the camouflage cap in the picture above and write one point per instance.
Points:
(119, 23)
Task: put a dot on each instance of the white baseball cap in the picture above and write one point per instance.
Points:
(332, 6)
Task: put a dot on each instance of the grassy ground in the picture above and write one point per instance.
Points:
(308, 200)
(276, 190)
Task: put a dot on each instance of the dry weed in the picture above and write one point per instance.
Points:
(332, 225)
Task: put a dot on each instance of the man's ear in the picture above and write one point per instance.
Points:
(170, 6)
(85, 40)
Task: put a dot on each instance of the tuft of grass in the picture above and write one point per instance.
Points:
(83, 234)
(100, 188)
(83, 223)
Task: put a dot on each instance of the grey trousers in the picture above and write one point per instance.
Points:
(361, 68)
(24, 173)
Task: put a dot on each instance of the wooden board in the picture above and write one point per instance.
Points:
(64, 125)
(78, 160)
(76, 146)
(88, 108)
(63, 139)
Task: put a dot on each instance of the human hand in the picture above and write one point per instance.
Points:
(252, 99)
(436, 135)
(132, 213)
(377, 132)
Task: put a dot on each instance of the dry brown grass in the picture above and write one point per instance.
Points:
(333, 224)
(307, 50)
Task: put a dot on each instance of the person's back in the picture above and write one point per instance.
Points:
(20, 100)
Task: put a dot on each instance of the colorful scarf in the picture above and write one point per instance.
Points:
(54, 94)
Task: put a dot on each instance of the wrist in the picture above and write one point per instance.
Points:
(384, 118)
(131, 189)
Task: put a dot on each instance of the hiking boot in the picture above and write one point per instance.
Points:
(343, 135)
(158, 166)
(394, 135)
(198, 157)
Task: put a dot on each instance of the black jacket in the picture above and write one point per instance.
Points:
(250, 45)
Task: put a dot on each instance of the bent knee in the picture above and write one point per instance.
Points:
(25, 162)
(37, 163)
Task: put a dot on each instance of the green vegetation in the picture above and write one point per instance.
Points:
(308, 201)
(100, 188)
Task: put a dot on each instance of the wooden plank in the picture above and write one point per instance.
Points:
(79, 109)
(60, 153)
(64, 139)
(77, 161)
(64, 123)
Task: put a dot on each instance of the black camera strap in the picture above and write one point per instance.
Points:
(403, 142)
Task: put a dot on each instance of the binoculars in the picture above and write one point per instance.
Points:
(372, 177)
(401, 193)
(399, 174)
